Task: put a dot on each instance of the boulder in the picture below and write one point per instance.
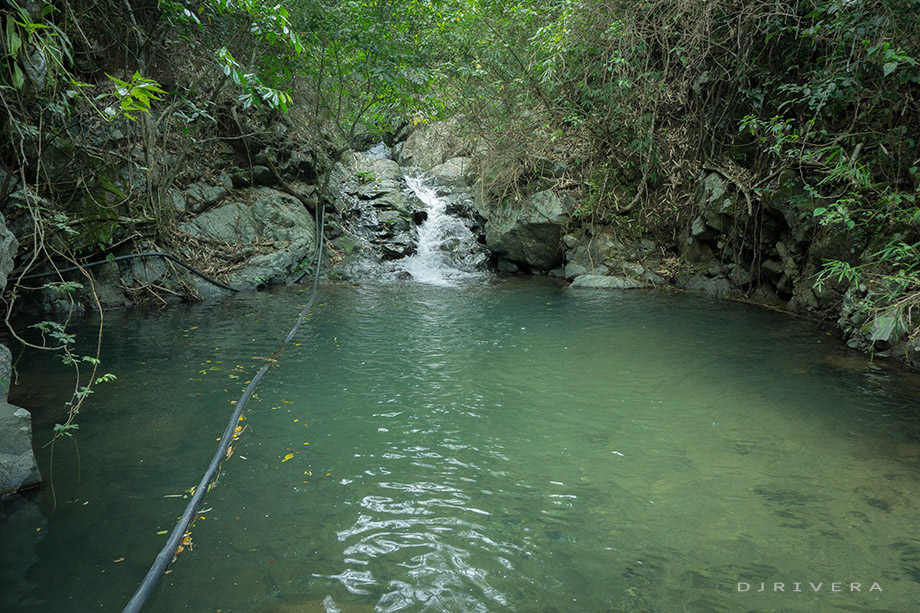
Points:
(602, 282)
(453, 172)
(18, 469)
(8, 247)
(199, 196)
(230, 222)
(274, 267)
(267, 216)
(719, 286)
(377, 181)
(529, 232)
(430, 145)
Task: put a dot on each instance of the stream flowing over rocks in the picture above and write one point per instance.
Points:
(403, 223)
(417, 211)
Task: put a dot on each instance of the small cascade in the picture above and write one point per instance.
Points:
(395, 224)
(448, 250)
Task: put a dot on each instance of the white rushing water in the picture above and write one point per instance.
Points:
(447, 249)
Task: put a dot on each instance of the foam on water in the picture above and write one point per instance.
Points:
(447, 249)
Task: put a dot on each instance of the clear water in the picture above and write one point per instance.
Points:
(497, 446)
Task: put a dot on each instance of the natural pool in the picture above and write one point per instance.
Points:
(496, 446)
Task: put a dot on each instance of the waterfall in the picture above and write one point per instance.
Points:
(447, 249)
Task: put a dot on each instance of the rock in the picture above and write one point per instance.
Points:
(274, 268)
(400, 246)
(503, 265)
(716, 202)
(200, 196)
(430, 145)
(8, 247)
(271, 216)
(529, 233)
(261, 175)
(18, 468)
(281, 217)
(453, 172)
(700, 231)
(376, 180)
(106, 289)
(601, 282)
(8, 180)
(177, 200)
(573, 270)
(719, 286)
(230, 222)
(789, 200)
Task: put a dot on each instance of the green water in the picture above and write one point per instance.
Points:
(501, 446)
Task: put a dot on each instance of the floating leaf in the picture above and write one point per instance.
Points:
(288, 457)
(163, 532)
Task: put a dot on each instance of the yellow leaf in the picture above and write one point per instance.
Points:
(288, 457)
(287, 402)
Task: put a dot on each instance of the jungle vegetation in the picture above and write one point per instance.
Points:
(634, 98)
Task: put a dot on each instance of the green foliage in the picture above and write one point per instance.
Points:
(133, 96)
(32, 49)
(64, 342)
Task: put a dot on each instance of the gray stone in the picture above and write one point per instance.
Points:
(230, 222)
(430, 145)
(601, 282)
(8, 247)
(573, 270)
(453, 172)
(269, 217)
(177, 200)
(18, 469)
(282, 217)
(275, 267)
(400, 201)
(261, 175)
(200, 196)
(719, 286)
(699, 230)
(369, 169)
(503, 265)
(529, 232)
(716, 202)
(8, 180)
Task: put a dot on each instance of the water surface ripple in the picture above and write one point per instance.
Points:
(490, 446)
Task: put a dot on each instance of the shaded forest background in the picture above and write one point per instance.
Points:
(622, 104)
